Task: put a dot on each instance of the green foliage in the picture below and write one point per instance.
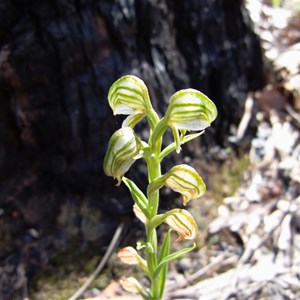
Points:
(188, 110)
(276, 3)
(294, 5)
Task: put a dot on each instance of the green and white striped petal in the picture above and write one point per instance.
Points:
(182, 179)
(129, 96)
(123, 149)
(189, 109)
(186, 181)
(182, 222)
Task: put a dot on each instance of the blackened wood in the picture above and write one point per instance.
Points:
(57, 61)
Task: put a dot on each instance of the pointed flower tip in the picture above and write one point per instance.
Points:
(119, 180)
(183, 223)
(122, 150)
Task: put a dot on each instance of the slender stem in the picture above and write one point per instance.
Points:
(154, 171)
(152, 117)
(155, 140)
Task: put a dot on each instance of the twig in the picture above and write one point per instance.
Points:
(25, 290)
(102, 263)
(23, 282)
(245, 121)
(224, 259)
(220, 261)
(293, 113)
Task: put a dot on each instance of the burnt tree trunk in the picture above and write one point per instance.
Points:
(58, 59)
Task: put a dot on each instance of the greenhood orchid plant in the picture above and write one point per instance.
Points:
(188, 110)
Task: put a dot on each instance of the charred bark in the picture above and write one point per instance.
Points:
(57, 61)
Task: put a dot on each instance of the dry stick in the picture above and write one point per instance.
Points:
(221, 260)
(179, 289)
(293, 113)
(102, 263)
(25, 290)
(245, 121)
(215, 263)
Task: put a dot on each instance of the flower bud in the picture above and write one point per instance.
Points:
(131, 285)
(129, 96)
(129, 255)
(122, 151)
(189, 109)
(182, 179)
(139, 214)
(182, 222)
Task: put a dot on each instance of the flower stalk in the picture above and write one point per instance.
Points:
(188, 110)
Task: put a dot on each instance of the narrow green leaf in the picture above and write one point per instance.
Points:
(137, 195)
(164, 252)
(165, 248)
(171, 257)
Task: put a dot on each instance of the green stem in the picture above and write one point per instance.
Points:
(152, 117)
(154, 171)
(155, 140)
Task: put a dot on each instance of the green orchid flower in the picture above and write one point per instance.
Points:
(188, 110)
(124, 148)
(182, 179)
(129, 96)
(179, 220)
